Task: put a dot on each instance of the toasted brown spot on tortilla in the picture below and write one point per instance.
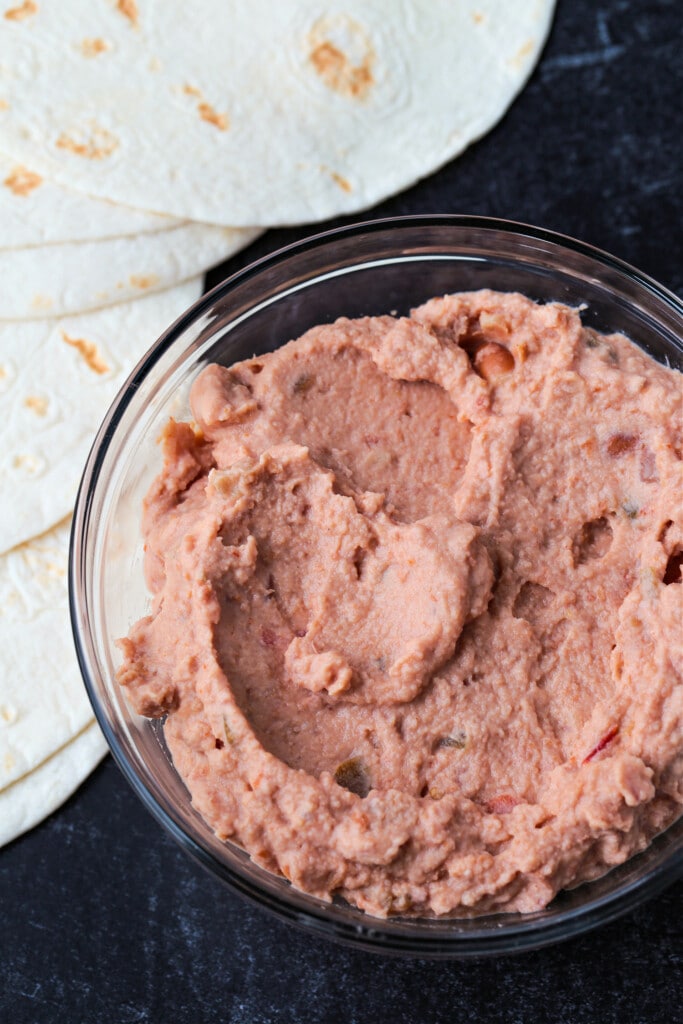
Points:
(339, 73)
(478, 17)
(41, 301)
(29, 463)
(21, 181)
(4, 105)
(207, 113)
(25, 10)
(205, 110)
(344, 183)
(89, 351)
(93, 47)
(7, 713)
(95, 143)
(37, 404)
(522, 53)
(129, 9)
(143, 280)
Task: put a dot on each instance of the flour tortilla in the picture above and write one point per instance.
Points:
(43, 703)
(261, 112)
(32, 798)
(57, 379)
(72, 277)
(36, 211)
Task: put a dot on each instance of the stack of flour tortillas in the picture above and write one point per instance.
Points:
(58, 374)
(141, 142)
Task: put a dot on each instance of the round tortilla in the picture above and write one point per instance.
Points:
(36, 211)
(258, 113)
(71, 277)
(57, 378)
(30, 799)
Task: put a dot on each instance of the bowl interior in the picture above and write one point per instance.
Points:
(369, 270)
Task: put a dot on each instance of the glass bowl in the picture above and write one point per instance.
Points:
(367, 269)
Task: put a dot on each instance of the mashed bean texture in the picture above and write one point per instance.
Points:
(417, 605)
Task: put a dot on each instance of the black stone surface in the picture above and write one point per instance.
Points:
(103, 918)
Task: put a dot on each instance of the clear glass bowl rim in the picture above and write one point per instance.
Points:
(498, 933)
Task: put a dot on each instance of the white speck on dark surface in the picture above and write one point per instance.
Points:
(589, 58)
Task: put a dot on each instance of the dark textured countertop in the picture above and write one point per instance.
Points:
(103, 918)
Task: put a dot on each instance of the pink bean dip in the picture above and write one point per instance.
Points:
(417, 615)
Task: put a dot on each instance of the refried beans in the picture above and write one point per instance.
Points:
(417, 616)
